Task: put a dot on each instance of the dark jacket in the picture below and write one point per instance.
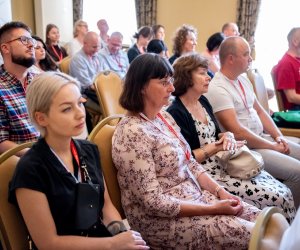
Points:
(185, 121)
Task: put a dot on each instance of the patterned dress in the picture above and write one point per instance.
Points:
(153, 177)
(260, 191)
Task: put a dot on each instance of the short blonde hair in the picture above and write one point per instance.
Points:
(41, 91)
(76, 25)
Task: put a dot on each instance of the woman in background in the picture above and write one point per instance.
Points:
(159, 33)
(184, 41)
(143, 36)
(157, 46)
(80, 30)
(52, 41)
(43, 60)
(212, 52)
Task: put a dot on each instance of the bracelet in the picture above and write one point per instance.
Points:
(206, 155)
(218, 188)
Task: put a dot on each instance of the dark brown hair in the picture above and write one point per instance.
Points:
(144, 31)
(183, 68)
(49, 27)
(141, 70)
(6, 28)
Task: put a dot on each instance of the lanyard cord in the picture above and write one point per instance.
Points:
(83, 168)
(243, 97)
(60, 55)
(172, 130)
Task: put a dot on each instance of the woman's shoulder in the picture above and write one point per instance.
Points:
(131, 123)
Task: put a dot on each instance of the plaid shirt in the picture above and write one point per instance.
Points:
(15, 124)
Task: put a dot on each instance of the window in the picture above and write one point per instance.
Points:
(276, 19)
(120, 16)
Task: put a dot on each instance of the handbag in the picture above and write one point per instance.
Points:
(288, 119)
(88, 215)
(242, 164)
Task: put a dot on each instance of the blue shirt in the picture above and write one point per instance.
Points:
(116, 62)
(85, 68)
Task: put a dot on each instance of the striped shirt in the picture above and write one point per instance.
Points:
(15, 124)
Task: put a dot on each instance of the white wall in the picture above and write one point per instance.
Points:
(5, 11)
(58, 12)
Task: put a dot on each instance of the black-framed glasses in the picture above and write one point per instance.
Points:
(166, 81)
(25, 40)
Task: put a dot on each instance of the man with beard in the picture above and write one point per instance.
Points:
(17, 50)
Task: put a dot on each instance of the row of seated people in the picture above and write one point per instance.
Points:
(164, 196)
(171, 199)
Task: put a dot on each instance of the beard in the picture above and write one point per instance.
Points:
(25, 62)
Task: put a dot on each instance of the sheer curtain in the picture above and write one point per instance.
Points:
(275, 20)
(145, 12)
(77, 10)
(119, 14)
(247, 19)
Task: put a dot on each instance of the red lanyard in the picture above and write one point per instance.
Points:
(244, 99)
(60, 55)
(172, 130)
(74, 152)
(75, 155)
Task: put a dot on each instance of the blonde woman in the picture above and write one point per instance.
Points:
(48, 179)
(80, 30)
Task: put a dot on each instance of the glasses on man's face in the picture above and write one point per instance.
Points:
(166, 81)
(25, 40)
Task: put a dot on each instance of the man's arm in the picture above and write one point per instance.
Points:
(266, 120)
(243, 133)
(6, 145)
(79, 70)
(292, 96)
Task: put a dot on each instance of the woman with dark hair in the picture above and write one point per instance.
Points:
(212, 51)
(184, 41)
(43, 60)
(143, 36)
(159, 33)
(52, 41)
(157, 46)
(166, 194)
(194, 115)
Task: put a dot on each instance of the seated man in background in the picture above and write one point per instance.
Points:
(103, 28)
(287, 72)
(230, 29)
(113, 57)
(17, 49)
(237, 110)
(85, 65)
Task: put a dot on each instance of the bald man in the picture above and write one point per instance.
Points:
(287, 72)
(237, 110)
(230, 29)
(85, 64)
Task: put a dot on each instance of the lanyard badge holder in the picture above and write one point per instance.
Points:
(87, 198)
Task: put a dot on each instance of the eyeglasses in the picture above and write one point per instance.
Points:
(25, 41)
(166, 81)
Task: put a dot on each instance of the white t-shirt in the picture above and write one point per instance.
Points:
(227, 94)
(73, 47)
